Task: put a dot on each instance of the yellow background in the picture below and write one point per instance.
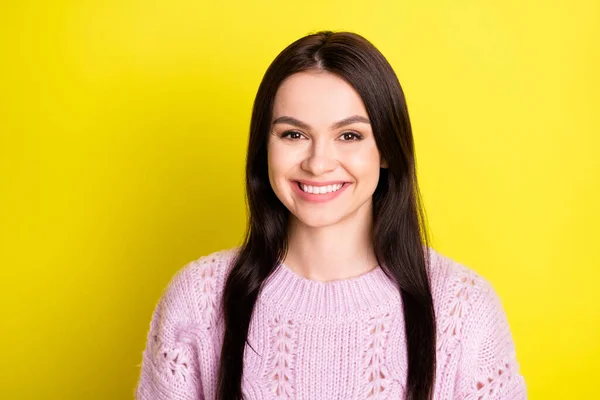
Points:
(123, 133)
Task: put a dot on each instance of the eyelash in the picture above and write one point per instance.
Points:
(357, 136)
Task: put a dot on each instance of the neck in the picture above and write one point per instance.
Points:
(339, 251)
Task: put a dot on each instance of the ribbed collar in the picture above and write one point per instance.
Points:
(345, 299)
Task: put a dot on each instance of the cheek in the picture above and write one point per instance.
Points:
(283, 158)
(274, 163)
(272, 169)
(279, 163)
(364, 163)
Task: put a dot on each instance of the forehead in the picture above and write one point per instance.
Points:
(317, 97)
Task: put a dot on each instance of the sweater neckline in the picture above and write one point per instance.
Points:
(293, 294)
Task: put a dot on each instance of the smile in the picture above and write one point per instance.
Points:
(319, 193)
(320, 189)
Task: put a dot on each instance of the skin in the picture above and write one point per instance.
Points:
(330, 240)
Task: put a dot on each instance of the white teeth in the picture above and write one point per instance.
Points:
(320, 189)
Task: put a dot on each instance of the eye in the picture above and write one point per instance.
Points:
(293, 135)
(350, 137)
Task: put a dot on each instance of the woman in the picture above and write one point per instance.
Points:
(335, 293)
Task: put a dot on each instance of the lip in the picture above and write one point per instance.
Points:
(318, 198)
(313, 183)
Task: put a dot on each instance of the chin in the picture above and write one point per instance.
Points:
(318, 221)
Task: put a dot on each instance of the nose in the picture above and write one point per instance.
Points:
(320, 159)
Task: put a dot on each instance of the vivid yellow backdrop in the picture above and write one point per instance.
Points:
(123, 131)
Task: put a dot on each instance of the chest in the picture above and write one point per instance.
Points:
(332, 358)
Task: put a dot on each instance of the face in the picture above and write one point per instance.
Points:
(322, 157)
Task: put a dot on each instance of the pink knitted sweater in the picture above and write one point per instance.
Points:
(341, 339)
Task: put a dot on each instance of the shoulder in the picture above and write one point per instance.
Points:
(470, 316)
(450, 278)
(462, 296)
(213, 266)
(191, 295)
(179, 328)
(467, 306)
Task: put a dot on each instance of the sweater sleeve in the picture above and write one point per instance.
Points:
(489, 370)
(169, 368)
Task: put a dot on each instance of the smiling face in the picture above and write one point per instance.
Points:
(322, 157)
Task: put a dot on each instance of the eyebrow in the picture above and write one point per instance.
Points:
(346, 121)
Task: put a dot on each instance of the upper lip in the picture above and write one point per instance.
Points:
(313, 183)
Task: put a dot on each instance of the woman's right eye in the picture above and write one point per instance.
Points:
(294, 135)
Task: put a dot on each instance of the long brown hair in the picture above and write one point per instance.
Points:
(399, 229)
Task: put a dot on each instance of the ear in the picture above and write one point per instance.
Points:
(384, 163)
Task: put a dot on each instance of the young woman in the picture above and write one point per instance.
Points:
(335, 292)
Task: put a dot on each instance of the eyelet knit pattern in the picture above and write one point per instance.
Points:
(173, 360)
(375, 370)
(462, 288)
(282, 362)
(206, 288)
(341, 339)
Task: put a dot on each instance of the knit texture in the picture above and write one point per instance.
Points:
(342, 339)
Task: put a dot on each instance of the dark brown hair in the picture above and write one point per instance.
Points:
(399, 230)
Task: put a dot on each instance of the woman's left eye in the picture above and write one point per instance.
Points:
(350, 137)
